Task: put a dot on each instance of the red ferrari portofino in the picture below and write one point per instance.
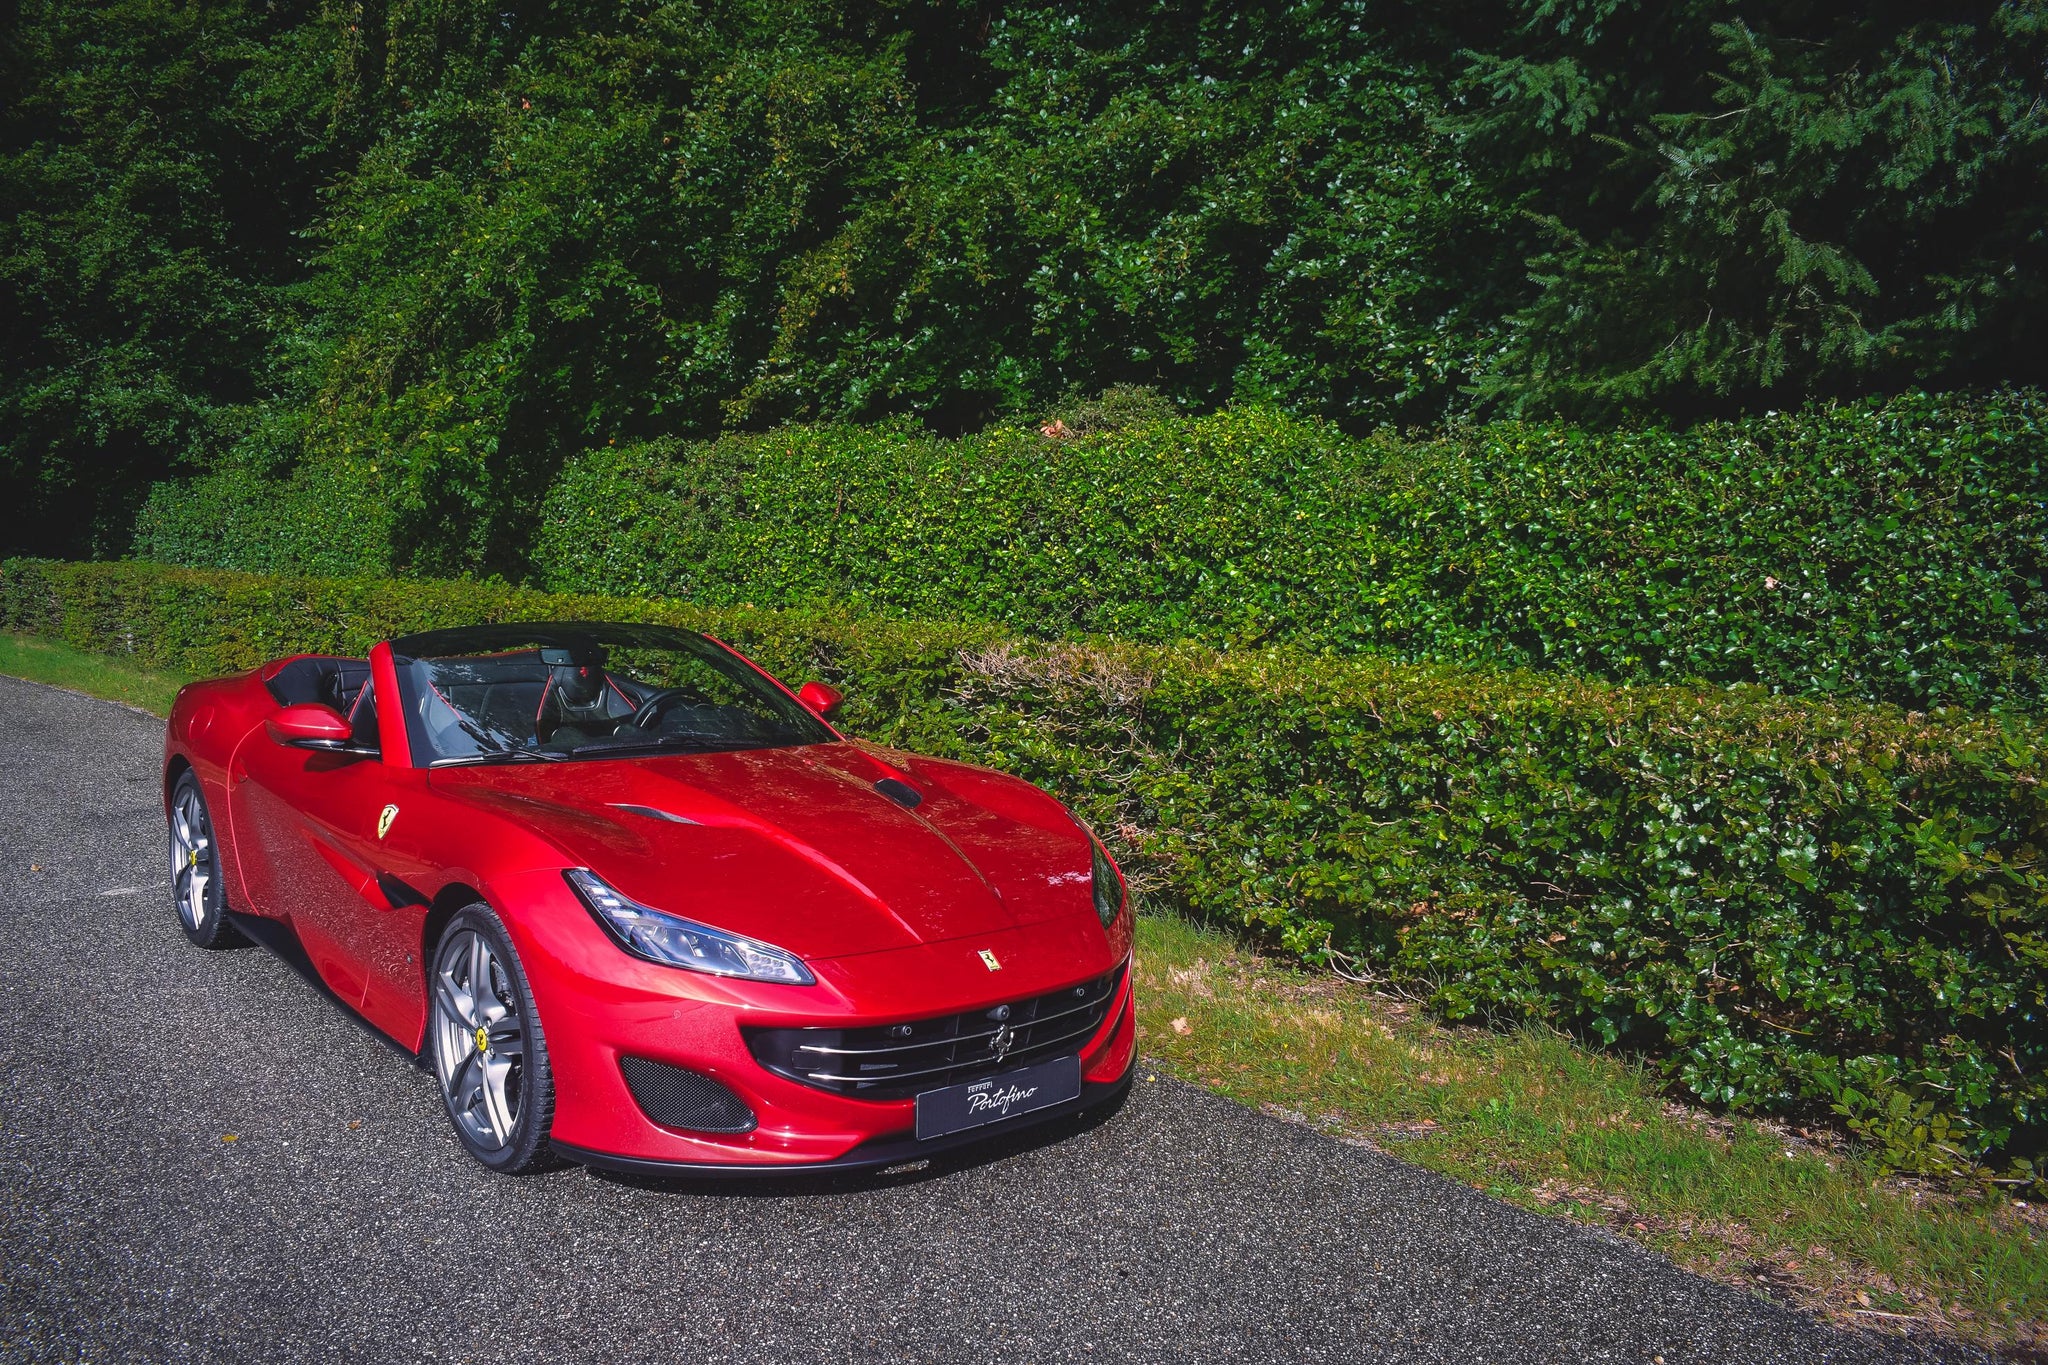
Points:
(638, 905)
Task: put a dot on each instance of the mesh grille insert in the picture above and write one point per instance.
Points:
(675, 1098)
(894, 1061)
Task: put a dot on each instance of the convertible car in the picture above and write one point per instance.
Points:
(638, 905)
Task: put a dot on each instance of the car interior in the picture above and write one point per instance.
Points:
(342, 684)
(525, 699)
(549, 700)
(553, 700)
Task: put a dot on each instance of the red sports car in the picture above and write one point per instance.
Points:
(639, 905)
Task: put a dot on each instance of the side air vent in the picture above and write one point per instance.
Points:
(902, 793)
(400, 894)
(675, 1098)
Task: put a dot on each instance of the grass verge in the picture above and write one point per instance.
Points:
(44, 661)
(1526, 1116)
(1536, 1120)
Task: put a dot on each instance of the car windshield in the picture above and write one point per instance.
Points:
(580, 689)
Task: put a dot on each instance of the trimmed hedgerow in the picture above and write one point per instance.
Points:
(1796, 905)
(1894, 551)
(330, 517)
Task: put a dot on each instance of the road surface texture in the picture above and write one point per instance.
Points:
(342, 1223)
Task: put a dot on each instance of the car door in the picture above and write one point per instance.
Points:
(322, 829)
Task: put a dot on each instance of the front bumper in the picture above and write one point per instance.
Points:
(597, 1005)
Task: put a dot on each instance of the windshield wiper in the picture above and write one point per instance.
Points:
(666, 742)
(503, 756)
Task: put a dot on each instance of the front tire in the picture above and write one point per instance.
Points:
(488, 1051)
(195, 867)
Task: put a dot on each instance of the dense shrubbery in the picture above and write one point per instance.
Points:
(1796, 904)
(460, 240)
(330, 518)
(1896, 552)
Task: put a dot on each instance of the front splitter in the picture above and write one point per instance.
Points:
(891, 1149)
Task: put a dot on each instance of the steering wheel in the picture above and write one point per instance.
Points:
(643, 718)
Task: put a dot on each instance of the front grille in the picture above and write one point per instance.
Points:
(894, 1061)
(675, 1098)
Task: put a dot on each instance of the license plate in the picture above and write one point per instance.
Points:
(975, 1103)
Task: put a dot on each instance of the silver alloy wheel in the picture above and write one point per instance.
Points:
(192, 867)
(479, 1040)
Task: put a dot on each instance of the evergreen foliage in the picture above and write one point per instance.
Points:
(436, 248)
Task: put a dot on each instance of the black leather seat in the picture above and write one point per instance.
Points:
(324, 679)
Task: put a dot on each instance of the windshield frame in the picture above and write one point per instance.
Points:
(589, 638)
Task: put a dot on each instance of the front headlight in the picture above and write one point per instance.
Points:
(1109, 888)
(677, 942)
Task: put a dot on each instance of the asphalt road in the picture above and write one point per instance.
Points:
(342, 1222)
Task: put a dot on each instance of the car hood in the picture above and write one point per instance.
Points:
(799, 847)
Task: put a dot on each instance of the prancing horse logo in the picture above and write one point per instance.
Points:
(1000, 1043)
(988, 960)
(384, 819)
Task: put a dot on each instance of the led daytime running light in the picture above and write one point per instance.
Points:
(677, 942)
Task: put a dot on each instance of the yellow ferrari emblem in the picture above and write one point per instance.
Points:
(483, 1039)
(988, 960)
(384, 820)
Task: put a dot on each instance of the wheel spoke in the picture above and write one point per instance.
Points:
(479, 972)
(499, 1105)
(466, 1085)
(449, 997)
(196, 896)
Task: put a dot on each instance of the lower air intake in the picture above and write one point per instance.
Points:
(675, 1098)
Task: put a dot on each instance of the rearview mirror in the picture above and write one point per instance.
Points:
(309, 726)
(821, 698)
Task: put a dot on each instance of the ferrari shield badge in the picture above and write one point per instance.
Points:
(384, 819)
(988, 960)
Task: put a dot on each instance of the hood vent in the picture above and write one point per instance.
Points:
(902, 793)
(653, 813)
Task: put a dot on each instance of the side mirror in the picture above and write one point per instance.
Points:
(309, 726)
(821, 698)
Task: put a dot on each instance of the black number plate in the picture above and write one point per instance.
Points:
(959, 1107)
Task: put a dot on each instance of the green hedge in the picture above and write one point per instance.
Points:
(1795, 904)
(1894, 552)
(331, 517)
